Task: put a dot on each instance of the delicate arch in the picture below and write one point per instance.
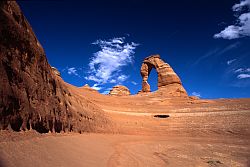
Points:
(166, 75)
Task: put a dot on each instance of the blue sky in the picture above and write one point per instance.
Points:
(104, 43)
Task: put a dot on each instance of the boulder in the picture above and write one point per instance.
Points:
(119, 90)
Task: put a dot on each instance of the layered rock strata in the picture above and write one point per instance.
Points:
(119, 90)
(168, 80)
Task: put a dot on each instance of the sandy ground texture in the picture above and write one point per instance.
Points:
(183, 139)
(30, 149)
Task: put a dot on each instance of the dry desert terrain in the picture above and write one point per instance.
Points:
(204, 133)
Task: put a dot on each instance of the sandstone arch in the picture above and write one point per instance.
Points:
(168, 80)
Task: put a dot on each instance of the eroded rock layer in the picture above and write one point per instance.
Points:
(56, 72)
(168, 80)
(32, 96)
(119, 90)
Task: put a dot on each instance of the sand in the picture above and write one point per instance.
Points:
(184, 139)
(30, 149)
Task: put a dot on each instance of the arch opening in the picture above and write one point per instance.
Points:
(153, 80)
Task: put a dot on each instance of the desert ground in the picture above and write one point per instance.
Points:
(150, 131)
(31, 149)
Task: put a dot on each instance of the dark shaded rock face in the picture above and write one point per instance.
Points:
(32, 96)
(168, 80)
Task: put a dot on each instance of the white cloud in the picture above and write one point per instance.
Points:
(119, 79)
(92, 78)
(106, 64)
(122, 78)
(230, 61)
(96, 87)
(134, 83)
(242, 26)
(72, 71)
(238, 7)
(230, 32)
(243, 73)
(196, 94)
(112, 81)
(243, 76)
(241, 70)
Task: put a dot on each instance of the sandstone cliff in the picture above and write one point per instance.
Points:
(32, 96)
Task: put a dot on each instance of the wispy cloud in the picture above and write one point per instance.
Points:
(196, 94)
(208, 54)
(231, 61)
(105, 65)
(232, 75)
(243, 76)
(217, 52)
(122, 78)
(242, 26)
(112, 81)
(228, 48)
(96, 87)
(241, 70)
(244, 73)
(119, 79)
(72, 71)
(134, 83)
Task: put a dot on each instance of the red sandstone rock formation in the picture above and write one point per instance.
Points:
(55, 70)
(119, 90)
(32, 95)
(168, 81)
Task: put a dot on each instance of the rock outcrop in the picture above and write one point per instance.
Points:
(32, 96)
(168, 81)
(55, 70)
(120, 90)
